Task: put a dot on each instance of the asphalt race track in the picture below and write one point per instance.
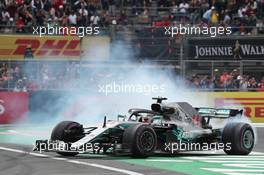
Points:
(17, 158)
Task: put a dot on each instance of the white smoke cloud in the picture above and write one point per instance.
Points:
(89, 106)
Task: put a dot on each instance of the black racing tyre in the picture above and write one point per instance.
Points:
(61, 132)
(141, 139)
(239, 137)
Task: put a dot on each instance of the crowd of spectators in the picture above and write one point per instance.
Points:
(11, 77)
(23, 14)
(244, 16)
(227, 81)
(32, 76)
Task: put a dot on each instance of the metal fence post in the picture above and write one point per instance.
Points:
(182, 63)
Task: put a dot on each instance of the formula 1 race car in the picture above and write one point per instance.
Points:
(166, 128)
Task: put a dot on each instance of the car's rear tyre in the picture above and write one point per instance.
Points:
(239, 137)
(67, 131)
(141, 139)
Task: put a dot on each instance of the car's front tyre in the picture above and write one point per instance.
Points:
(141, 139)
(68, 132)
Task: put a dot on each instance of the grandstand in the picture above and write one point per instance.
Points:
(139, 26)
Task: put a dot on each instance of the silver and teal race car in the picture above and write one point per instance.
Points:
(167, 128)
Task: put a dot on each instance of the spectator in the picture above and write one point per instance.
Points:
(20, 24)
(174, 9)
(252, 83)
(46, 5)
(243, 85)
(229, 83)
(5, 17)
(214, 17)
(223, 77)
(227, 18)
(207, 15)
(17, 74)
(112, 7)
(183, 7)
(206, 83)
(72, 19)
(60, 13)
(241, 11)
(83, 11)
(28, 53)
(123, 20)
(261, 85)
(37, 5)
(260, 26)
(40, 18)
(79, 3)
(57, 3)
(104, 4)
(20, 86)
(83, 16)
(94, 20)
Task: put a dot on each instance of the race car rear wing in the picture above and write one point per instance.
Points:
(219, 112)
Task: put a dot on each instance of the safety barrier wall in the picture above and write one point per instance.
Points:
(44, 105)
(13, 107)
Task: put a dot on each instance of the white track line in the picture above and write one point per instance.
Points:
(233, 161)
(256, 153)
(234, 170)
(20, 133)
(167, 160)
(248, 165)
(226, 158)
(241, 173)
(73, 161)
(258, 125)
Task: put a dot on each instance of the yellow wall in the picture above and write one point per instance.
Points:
(55, 47)
(51, 47)
(252, 102)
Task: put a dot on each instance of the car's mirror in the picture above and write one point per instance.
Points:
(121, 118)
(235, 112)
(156, 107)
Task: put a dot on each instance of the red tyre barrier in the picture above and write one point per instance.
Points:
(13, 106)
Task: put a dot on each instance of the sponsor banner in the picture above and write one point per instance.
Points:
(13, 106)
(251, 102)
(46, 47)
(95, 48)
(232, 48)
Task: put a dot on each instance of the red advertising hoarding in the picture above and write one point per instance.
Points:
(13, 106)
